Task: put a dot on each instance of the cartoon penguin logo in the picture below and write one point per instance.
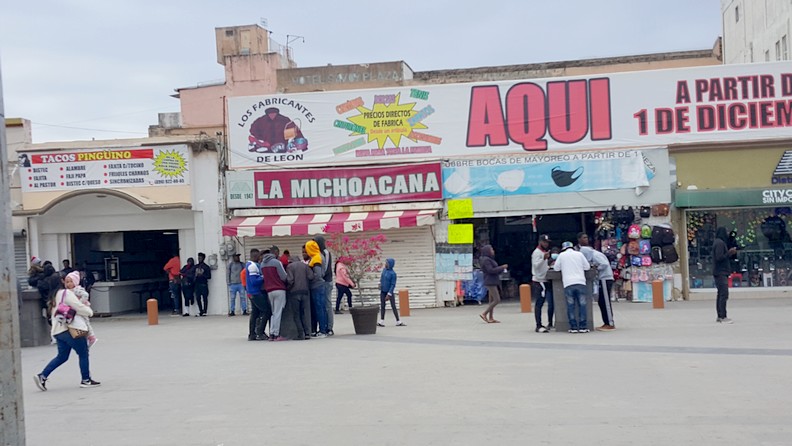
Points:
(564, 178)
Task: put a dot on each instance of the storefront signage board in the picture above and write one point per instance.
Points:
(104, 168)
(334, 187)
(733, 198)
(413, 123)
(546, 173)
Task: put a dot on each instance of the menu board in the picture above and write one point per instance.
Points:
(104, 168)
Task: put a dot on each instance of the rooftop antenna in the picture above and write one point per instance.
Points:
(263, 22)
(289, 39)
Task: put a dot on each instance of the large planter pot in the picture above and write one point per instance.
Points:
(364, 319)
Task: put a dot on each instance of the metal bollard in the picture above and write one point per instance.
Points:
(152, 310)
(657, 294)
(404, 302)
(525, 298)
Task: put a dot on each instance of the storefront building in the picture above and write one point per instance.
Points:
(120, 210)
(747, 189)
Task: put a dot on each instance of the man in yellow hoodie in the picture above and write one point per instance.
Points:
(317, 288)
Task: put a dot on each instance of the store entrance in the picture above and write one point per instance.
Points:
(514, 239)
(124, 256)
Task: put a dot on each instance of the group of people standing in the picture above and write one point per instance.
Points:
(572, 261)
(66, 306)
(293, 294)
(189, 284)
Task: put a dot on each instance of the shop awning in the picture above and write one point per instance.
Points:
(307, 224)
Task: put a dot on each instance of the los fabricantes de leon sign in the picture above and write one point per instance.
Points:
(334, 187)
(434, 122)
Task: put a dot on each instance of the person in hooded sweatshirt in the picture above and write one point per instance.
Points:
(387, 288)
(721, 268)
(327, 266)
(492, 274)
(275, 285)
(317, 285)
(299, 276)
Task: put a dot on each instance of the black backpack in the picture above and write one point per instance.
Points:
(657, 254)
(662, 236)
(669, 254)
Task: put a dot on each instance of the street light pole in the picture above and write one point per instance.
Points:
(12, 410)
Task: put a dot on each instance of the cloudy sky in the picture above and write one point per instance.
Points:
(82, 69)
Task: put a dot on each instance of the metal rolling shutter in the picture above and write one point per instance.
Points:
(412, 248)
(21, 261)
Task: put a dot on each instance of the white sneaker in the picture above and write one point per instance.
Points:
(400, 324)
(572, 331)
(726, 321)
(381, 323)
(321, 335)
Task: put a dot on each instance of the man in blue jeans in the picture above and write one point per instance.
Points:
(234, 280)
(573, 266)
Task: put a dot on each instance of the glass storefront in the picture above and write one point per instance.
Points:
(764, 257)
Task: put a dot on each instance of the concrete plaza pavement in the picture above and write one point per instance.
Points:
(664, 377)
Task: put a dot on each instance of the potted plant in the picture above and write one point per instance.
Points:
(363, 259)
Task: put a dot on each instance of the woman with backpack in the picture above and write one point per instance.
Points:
(187, 275)
(64, 307)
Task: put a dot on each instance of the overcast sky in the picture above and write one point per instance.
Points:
(82, 69)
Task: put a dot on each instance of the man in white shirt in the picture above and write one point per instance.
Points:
(573, 266)
(541, 289)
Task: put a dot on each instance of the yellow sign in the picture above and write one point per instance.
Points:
(462, 208)
(460, 234)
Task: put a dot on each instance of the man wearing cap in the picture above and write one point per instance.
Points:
(275, 285)
(573, 266)
(269, 129)
(540, 287)
(234, 280)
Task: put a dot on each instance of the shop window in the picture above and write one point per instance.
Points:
(764, 257)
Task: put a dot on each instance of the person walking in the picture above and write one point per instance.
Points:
(721, 269)
(275, 285)
(573, 266)
(259, 304)
(492, 274)
(298, 279)
(318, 300)
(387, 288)
(202, 276)
(64, 339)
(540, 287)
(234, 280)
(173, 268)
(344, 285)
(187, 275)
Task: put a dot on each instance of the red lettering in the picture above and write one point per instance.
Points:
(600, 109)
(567, 111)
(526, 116)
(485, 120)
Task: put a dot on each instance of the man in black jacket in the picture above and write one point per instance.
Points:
(721, 268)
(202, 276)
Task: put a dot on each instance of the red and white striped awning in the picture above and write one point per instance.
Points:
(308, 224)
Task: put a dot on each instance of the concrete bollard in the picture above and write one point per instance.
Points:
(152, 310)
(525, 298)
(404, 302)
(657, 294)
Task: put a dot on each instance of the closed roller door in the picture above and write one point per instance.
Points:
(21, 261)
(412, 248)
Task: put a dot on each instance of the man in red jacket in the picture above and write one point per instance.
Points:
(275, 285)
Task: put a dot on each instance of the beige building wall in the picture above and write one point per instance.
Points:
(725, 168)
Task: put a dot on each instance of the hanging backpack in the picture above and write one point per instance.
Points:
(662, 236)
(635, 261)
(646, 211)
(634, 232)
(633, 248)
(646, 231)
(657, 254)
(669, 254)
(644, 247)
(646, 261)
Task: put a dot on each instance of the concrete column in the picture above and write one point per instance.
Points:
(12, 411)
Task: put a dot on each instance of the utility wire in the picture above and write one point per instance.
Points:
(85, 128)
